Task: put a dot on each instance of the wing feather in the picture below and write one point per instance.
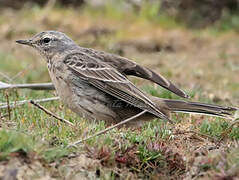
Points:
(128, 67)
(109, 80)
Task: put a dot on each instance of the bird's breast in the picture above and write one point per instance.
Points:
(80, 96)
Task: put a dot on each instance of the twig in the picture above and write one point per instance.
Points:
(228, 130)
(27, 68)
(5, 76)
(19, 103)
(34, 86)
(107, 129)
(194, 132)
(8, 107)
(50, 113)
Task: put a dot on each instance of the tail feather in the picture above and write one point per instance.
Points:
(201, 108)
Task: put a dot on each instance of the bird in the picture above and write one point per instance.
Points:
(95, 84)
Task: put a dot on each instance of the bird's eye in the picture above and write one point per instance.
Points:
(46, 40)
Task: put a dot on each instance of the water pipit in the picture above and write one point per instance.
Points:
(94, 84)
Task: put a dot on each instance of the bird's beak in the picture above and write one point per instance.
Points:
(25, 42)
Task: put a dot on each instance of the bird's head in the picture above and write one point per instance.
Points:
(49, 43)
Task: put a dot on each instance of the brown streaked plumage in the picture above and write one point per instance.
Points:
(127, 67)
(94, 84)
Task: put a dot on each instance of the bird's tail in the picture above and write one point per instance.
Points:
(200, 108)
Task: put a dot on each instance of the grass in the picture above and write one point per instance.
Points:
(153, 150)
(216, 128)
(15, 143)
(12, 142)
(228, 22)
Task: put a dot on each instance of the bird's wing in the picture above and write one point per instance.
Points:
(109, 80)
(128, 67)
(145, 73)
